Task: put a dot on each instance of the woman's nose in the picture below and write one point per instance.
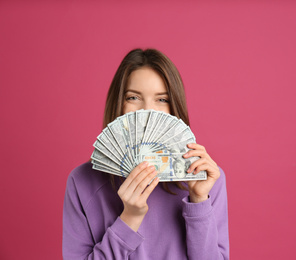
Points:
(148, 105)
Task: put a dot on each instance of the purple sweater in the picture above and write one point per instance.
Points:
(172, 229)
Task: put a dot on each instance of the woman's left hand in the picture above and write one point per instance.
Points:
(199, 190)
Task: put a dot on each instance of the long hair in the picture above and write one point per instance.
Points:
(161, 64)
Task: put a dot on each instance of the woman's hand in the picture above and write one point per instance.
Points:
(134, 193)
(199, 190)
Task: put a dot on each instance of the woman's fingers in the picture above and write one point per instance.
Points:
(141, 175)
(197, 164)
(142, 166)
(196, 146)
(150, 188)
(199, 190)
(213, 171)
(204, 163)
(136, 182)
(198, 152)
(140, 184)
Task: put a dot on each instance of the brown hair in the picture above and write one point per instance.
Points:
(161, 64)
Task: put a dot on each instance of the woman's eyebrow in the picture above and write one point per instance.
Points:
(138, 92)
(162, 93)
(131, 90)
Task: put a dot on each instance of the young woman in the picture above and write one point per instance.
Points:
(106, 217)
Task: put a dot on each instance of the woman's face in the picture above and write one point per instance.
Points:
(145, 90)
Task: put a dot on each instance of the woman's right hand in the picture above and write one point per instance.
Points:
(134, 193)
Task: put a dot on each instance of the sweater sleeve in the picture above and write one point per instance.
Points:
(207, 224)
(78, 242)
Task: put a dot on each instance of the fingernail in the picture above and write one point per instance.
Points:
(189, 170)
(152, 167)
(145, 163)
(185, 155)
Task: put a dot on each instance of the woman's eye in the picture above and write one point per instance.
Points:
(164, 100)
(131, 98)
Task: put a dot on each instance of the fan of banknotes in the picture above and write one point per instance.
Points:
(146, 135)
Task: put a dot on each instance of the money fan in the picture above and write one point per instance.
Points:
(146, 135)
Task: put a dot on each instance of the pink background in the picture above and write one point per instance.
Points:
(238, 64)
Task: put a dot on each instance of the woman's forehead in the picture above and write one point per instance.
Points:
(146, 79)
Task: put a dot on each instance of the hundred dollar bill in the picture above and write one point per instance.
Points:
(103, 143)
(157, 128)
(124, 126)
(105, 161)
(142, 117)
(131, 122)
(175, 132)
(173, 167)
(98, 166)
(150, 126)
(167, 123)
(118, 135)
(111, 154)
